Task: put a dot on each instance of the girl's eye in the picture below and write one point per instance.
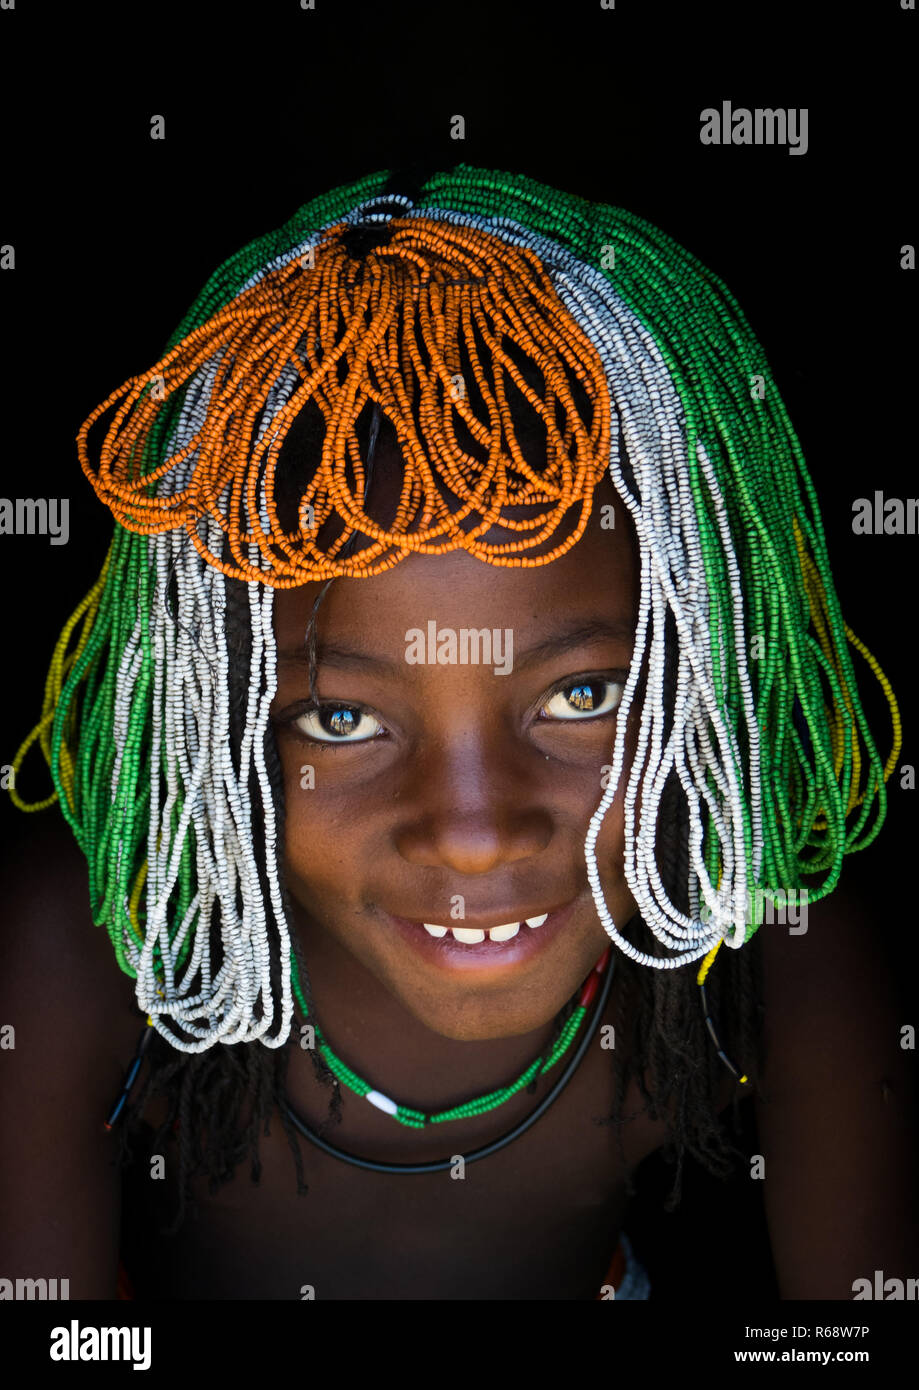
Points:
(583, 699)
(336, 723)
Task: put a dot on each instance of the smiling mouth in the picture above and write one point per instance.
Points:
(471, 936)
(513, 934)
(503, 946)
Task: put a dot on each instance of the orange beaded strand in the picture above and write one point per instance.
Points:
(431, 286)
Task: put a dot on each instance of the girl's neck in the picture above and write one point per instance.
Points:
(367, 1026)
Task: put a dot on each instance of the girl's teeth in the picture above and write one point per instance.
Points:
(470, 936)
(504, 933)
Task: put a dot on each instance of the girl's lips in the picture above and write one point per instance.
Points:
(457, 956)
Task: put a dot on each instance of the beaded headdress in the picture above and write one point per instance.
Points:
(368, 296)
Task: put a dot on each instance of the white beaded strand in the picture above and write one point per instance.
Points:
(190, 741)
(646, 402)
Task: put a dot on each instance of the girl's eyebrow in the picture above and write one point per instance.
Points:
(578, 633)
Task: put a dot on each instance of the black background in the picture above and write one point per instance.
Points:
(267, 106)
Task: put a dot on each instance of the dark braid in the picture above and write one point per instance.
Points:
(222, 1099)
(659, 1018)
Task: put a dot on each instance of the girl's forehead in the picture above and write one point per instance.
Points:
(599, 572)
(405, 483)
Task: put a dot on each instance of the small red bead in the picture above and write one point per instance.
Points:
(589, 990)
(603, 962)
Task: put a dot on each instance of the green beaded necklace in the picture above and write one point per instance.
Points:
(417, 1119)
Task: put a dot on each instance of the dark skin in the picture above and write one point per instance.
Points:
(470, 794)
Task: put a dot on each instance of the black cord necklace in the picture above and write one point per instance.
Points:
(145, 1037)
(438, 1165)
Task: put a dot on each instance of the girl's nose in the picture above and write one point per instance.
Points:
(471, 816)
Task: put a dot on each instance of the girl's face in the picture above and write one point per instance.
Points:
(459, 794)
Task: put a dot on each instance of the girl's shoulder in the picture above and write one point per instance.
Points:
(67, 978)
(837, 1114)
(70, 1025)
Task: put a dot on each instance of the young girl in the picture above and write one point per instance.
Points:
(450, 890)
